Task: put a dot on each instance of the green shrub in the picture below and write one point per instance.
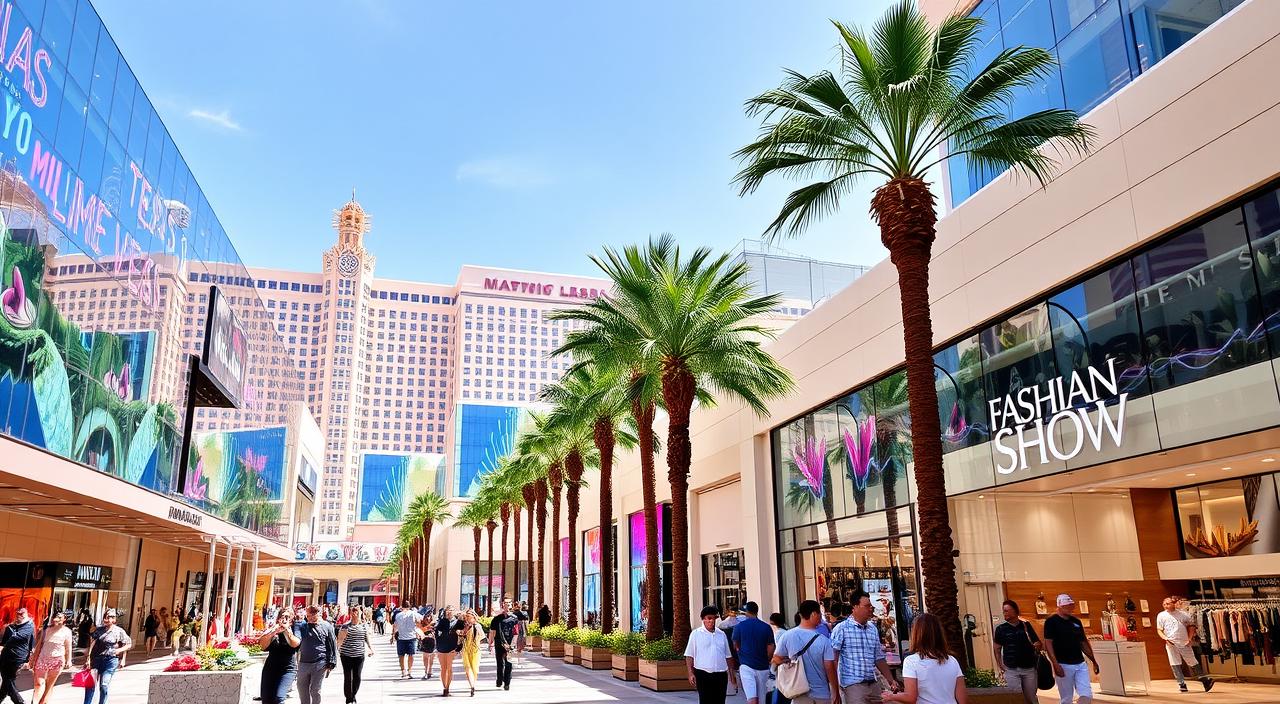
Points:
(626, 643)
(660, 650)
(554, 631)
(485, 621)
(575, 635)
(535, 629)
(981, 678)
(595, 639)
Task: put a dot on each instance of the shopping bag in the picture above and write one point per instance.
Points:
(83, 678)
(1044, 673)
(791, 679)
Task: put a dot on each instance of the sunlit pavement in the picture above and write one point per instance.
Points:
(537, 680)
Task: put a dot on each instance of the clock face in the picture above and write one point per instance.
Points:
(348, 263)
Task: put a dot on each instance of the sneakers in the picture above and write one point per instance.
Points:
(1183, 688)
(1207, 682)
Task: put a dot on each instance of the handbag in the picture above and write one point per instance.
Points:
(1044, 670)
(791, 678)
(83, 678)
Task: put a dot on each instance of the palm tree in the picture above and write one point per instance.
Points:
(425, 511)
(505, 483)
(529, 494)
(696, 320)
(475, 516)
(574, 433)
(902, 98)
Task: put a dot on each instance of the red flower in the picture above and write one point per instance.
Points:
(185, 663)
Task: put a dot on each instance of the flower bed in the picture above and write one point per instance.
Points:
(553, 641)
(625, 662)
(593, 650)
(209, 676)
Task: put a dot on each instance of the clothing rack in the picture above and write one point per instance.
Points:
(1245, 642)
(1242, 603)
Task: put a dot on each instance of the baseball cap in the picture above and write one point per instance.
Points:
(1064, 599)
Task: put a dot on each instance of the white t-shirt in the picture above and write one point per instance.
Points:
(936, 680)
(406, 624)
(709, 650)
(1174, 626)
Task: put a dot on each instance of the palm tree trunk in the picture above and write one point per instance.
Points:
(652, 559)
(530, 495)
(542, 543)
(904, 210)
(426, 559)
(556, 478)
(515, 549)
(488, 595)
(573, 465)
(505, 512)
(678, 387)
(475, 570)
(603, 437)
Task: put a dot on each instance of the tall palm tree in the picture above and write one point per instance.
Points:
(697, 321)
(505, 483)
(540, 454)
(529, 494)
(903, 97)
(425, 511)
(573, 433)
(475, 516)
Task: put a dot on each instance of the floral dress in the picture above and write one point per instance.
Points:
(53, 652)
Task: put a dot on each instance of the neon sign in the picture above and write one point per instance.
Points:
(1066, 400)
(535, 288)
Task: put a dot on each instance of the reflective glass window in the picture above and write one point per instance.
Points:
(104, 74)
(1017, 353)
(1097, 320)
(1094, 59)
(1027, 23)
(962, 407)
(1262, 220)
(1069, 14)
(84, 45)
(1199, 304)
(1161, 26)
(893, 453)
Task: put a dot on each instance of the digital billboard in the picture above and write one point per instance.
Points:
(239, 475)
(483, 435)
(390, 481)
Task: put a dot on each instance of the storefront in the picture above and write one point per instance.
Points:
(638, 561)
(44, 588)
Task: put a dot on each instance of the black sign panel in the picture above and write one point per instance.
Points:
(225, 356)
(76, 576)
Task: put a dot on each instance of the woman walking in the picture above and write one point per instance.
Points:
(471, 634)
(151, 630)
(447, 645)
(281, 667)
(427, 644)
(108, 646)
(929, 674)
(354, 646)
(54, 654)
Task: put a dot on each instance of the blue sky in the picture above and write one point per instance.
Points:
(515, 134)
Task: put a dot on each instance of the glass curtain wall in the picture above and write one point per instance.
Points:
(639, 559)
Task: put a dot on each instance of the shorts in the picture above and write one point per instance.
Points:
(755, 683)
(407, 646)
(47, 666)
(427, 645)
(1076, 682)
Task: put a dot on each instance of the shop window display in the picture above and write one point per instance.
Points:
(724, 575)
(638, 556)
(1233, 517)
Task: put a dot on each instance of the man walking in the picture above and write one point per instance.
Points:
(1067, 646)
(754, 641)
(708, 659)
(502, 641)
(404, 633)
(806, 644)
(1174, 626)
(380, 619)
(317, 655)
(16, 643)
(856, 641)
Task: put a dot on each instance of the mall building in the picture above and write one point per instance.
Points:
(1105, 362)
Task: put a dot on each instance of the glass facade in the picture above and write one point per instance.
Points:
(638, 560)
(1100, 45)
(483, 435)
(1232, 517)
(108, 250)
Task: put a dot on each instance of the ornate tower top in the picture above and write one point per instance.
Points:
(351, 222)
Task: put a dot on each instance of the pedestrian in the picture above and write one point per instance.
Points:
(930, 674)
(427, 642)
(1016, 647)
(84, 626)
(380, 620)
(447, 646)
(354, 645)
(53, 656)
(754, 643)
(1067, 646)
(708, 659)
(16, 643)
(151, 630)
(824, 625)
(471, 634)
(281, 644)
(162, 629)
(404, 633)
(172, 625)
(522, 615)
(317, 655)
(777, 623)
(813, 650)
(856, 642)
(544, 616)
(108, 648)
(502, 640)
(1176, 628)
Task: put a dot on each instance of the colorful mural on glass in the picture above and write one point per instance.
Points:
(638, 561)
(71, 392)
(388, 482)
(483, 435)
(239, 475)
(591, 550)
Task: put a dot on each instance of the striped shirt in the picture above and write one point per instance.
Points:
(356, 642)
(857, 649)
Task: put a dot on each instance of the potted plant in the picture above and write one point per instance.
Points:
(535, 637)
(573, 644)
(594, 652)
(662, 667)
(626, 655)
(553, 640)
(984, 687)
(209, 675)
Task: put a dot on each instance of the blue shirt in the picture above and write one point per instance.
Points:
(814, 659)
(859, 648)
(753, 638)
(823, 628)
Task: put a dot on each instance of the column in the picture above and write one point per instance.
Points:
(342, 591)
(289, 599)
(234, 610)
(219, 624)
(251, 593)
(201, 638)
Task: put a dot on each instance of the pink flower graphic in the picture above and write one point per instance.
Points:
(811, 460)
(859, 449)
(17, 308)
(119, 384)
(956, 426)
(197, 486)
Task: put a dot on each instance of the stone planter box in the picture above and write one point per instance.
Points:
(572, 653)
(553, 648)
(994, 695)
(225, 687)
(665, 676)
(595, 658)
(626, 667)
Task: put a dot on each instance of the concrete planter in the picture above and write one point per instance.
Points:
(595, 658)
(553, 648)
(664, 676)
(994, 695)
(626, 667)
(225, 687)
(571, 653)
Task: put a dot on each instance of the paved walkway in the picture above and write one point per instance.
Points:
(544, 681)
